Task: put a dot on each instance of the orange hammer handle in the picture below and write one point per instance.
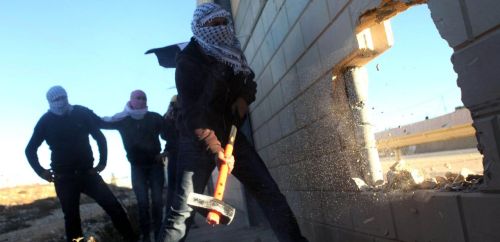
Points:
(223, 172)
(213, 217)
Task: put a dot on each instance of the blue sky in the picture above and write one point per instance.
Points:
(415, 78)
(95, 49)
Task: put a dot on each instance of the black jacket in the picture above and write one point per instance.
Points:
(206, 90)
(140, 137)
(171, 131)
(68, 139)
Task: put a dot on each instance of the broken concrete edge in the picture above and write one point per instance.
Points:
(386, 10)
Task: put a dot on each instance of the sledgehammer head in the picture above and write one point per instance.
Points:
(204, 204)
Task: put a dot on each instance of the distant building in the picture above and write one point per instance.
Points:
(451, 131)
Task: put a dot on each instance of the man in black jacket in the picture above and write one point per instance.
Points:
(66, 130)
(215, 86)
(140, 130)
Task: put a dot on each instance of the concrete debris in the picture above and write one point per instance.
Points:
(398, 165)
(362, 186)
(429, 183)
(368, 220)
(469, 184)
(417, 176)
(441, 180)
(400, 180)
(402, 177)
(450, 176)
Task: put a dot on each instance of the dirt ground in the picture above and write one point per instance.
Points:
(32, 213)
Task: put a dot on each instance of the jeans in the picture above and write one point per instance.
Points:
(144, 179)
(171, 171)
(195, 166)
(68, 189)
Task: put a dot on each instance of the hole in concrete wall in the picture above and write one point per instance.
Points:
(414, 102)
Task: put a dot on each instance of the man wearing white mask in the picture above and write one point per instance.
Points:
(140, 130)
(66, 129)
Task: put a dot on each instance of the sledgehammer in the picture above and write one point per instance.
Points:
(217, 211)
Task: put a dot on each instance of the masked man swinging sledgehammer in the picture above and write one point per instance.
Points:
(215, 86)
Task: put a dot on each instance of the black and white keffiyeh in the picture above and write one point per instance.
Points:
(220, 41)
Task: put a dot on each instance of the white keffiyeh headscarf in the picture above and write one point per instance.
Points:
(127, 111)
(220, 41)
(136, 108)
(58, 100)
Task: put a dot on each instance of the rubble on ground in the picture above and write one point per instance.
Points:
(404, 178)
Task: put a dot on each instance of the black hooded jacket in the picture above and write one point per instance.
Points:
(206, 90)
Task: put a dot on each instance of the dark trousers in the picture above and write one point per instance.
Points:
(195, 166)
(68, 189)
(145, 179)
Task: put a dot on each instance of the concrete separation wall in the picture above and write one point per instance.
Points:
(303, 125)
